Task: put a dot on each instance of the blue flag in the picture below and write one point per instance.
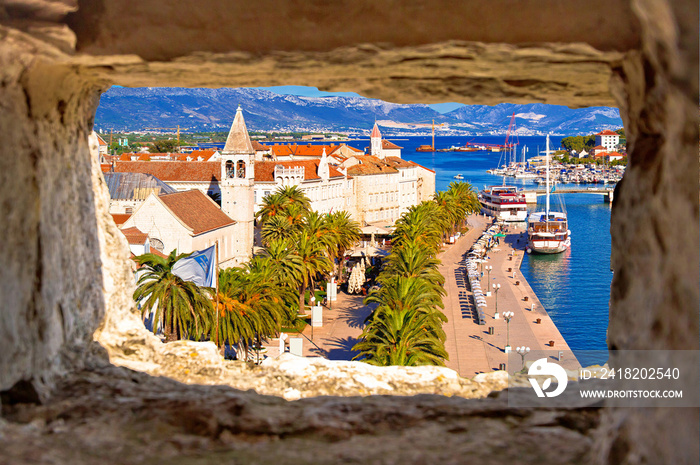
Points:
(553, 187)
(198, 267)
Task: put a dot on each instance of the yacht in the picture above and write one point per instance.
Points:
(459, 176)
(548, 231)
(505, 203)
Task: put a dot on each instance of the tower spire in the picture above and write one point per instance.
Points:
(238, 140)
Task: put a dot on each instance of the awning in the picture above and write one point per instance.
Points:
(376, 230)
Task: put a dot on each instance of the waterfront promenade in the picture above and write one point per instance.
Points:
(471, 348)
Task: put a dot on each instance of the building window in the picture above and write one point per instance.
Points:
(157, 244)
(229, 169)
(128, 210)
(240, 169)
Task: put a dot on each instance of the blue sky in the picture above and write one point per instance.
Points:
(304, 91)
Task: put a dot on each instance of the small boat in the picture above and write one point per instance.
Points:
(459, 176)
(425, 148)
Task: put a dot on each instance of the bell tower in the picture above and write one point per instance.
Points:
(237, 186)
(376, 142)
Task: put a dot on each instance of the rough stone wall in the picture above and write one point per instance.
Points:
(654, 227)
(50, 284)
(64, 271)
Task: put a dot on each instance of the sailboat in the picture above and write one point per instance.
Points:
(547, 231)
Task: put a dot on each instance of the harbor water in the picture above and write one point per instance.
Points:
(574, 286)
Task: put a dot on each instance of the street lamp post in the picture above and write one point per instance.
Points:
(496, 287)
(488, 269)
(523, 351)
(507, 316)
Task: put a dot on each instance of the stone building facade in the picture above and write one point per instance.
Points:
(186, 222)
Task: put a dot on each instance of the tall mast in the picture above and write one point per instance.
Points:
(546, 210)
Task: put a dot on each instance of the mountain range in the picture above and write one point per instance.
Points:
(197, 110)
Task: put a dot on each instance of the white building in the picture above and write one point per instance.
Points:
(326, 187)
(237, 186)
(381, 148)
(608, 139)
(186, 222)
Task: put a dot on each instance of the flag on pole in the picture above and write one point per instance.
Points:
(198, 267)
(552, 189)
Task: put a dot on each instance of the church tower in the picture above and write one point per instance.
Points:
(237, 186)
(376, 142)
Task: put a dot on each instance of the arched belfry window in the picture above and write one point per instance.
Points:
(229, 169)
(240, 169)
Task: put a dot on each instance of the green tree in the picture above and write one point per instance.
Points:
(405, 328)
(345, 233)
(277, 228)
(251, 307)
(181, 308)
(165, 145)
(313, 262)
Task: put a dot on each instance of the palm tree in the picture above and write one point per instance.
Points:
(412, 261)
(420, 225)
(283, 263)
(406, 326)
(277, 228)
(313, 261)
(295, 214)
(450, 209)
(294, 195)
(252, 307)
(181, 307)
(315, 225)
(345, 233)
(272, 205)
(466, 196)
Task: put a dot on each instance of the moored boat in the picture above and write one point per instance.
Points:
(505, 203)
(548, 231)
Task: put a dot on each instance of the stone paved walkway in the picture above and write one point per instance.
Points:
(472, 349)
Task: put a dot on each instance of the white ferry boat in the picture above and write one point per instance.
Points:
(548, 231)
(505, 203)
(459, 176)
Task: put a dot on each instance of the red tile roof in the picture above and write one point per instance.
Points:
(607, 132)
(413, 162)
(258, 147)
(120, 218)
(100, 140)
(375, 131)
(173, 170)
(389, 145)
(369, 165)
(397, 162)
(157, 252)
(196, 210)
(134, 235)
(308, 150)
(265, 170)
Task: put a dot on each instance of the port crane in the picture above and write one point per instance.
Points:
(169, 129)
(498, 147)
(432, 126)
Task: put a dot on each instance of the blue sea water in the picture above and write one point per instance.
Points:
(574, 286)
